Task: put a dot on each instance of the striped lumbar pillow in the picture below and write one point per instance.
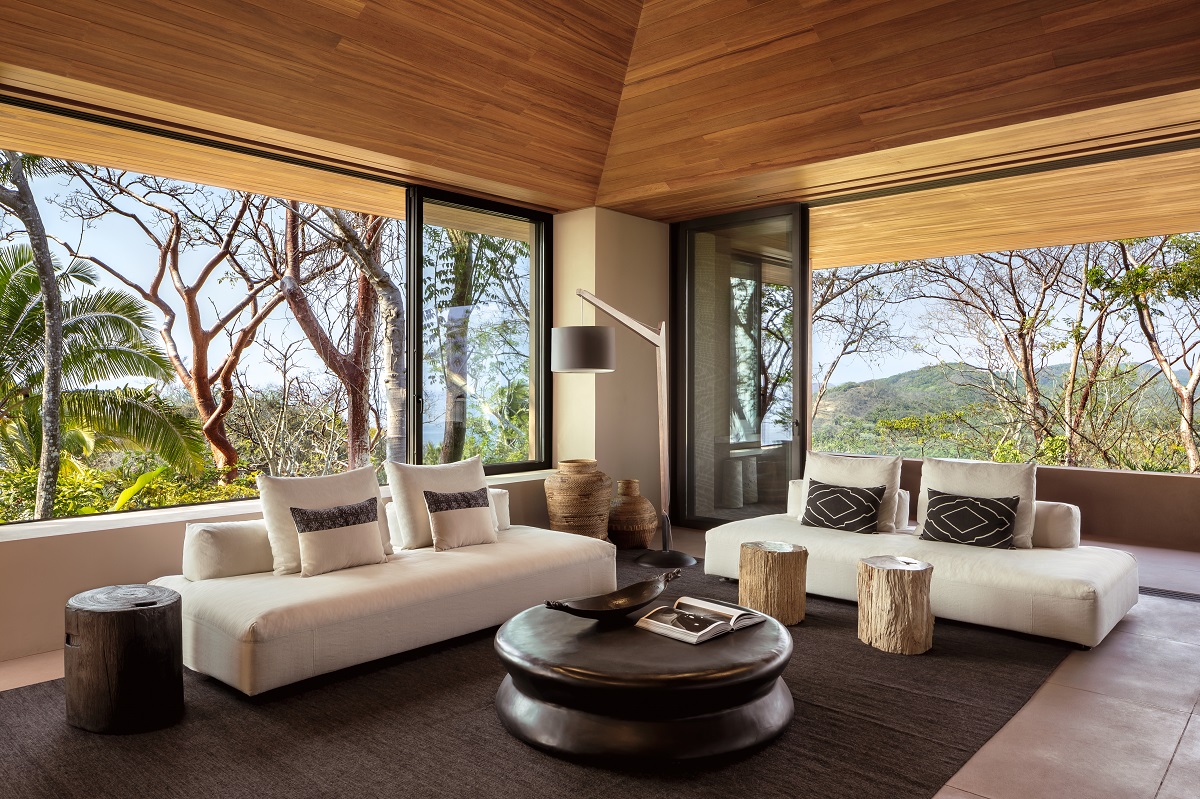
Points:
(339, 537)
(460, 518)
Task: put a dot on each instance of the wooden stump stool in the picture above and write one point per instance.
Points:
(124, 659)
(772, 579)
(893, 604)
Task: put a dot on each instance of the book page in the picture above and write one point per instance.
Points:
(704, 607)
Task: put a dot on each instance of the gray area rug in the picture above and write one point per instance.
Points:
(423, 724)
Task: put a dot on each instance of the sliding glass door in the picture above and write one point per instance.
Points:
(740, 356)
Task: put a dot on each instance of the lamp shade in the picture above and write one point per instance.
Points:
(586, 348)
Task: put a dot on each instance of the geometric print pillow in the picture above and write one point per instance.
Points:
(855, 510)
(460, 518)
(977, 521)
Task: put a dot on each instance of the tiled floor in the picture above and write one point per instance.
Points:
(1119, 722)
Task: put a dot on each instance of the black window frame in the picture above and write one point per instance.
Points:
(541, 269)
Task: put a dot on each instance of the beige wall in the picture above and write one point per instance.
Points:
(624, 260)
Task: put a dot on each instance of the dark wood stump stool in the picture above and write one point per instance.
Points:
(124, 659)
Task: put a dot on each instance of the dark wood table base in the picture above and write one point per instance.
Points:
(579, 732)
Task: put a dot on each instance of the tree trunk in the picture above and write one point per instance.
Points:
(772, 578)
(893, 604)
(24, 205)
(457, 353)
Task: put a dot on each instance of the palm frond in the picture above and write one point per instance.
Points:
(140, 418)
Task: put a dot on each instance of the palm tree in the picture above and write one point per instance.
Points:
(106, 337)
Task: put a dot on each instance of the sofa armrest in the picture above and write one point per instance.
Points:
(1055, 525)
(226, 549)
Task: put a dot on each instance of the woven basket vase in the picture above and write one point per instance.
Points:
(577, 498)
(632, 519)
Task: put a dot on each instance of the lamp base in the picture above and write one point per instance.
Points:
(666, 558)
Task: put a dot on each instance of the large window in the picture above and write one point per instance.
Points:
(211, 335)
(1076, 355)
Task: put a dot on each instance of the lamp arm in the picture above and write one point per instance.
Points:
(659, 339)
(655, 337)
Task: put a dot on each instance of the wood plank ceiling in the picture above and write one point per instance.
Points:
(669, 109)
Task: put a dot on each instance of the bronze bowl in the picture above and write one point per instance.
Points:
(617, 604)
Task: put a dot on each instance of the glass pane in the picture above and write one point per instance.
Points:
(740, 369)
(479, 391)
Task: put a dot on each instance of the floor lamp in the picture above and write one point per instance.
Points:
(593, 350)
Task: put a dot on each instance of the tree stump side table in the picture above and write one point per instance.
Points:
(893, 604)
(772, 578)
(124, 659)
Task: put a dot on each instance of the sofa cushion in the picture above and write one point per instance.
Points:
(854, 471)
(280, 494)
(982, 479)
(972, 521)
(338, 538)
(499, 500)
(855, 510)
(263, 607)
(226, 549)
(1055, 525)
(409, 482)
(460, 519)
(1074, 594)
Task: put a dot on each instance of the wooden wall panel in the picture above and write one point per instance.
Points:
(727, 102)
(514, 97)
(1123, 199)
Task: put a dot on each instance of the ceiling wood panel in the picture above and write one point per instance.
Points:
(515, 98)
(715, 105)
(726, 103)
(1125, 199)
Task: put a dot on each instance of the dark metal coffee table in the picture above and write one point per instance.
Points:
(578, 687)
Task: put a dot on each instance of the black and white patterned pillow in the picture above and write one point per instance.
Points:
(855, 510)
(338, 538)
(976, 521)
(460, 518)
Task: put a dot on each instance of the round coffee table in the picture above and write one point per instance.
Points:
(578, 687)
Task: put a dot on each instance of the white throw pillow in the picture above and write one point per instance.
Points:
(1055, 525)
(854, 472)
(280, 494)
(226, 549)
(338, 538)
(499, 501)
(903, 510)
(982, 479)
(409, 482)
(460, 518)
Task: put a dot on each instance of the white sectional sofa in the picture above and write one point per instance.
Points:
(257, 631)
(1070, 592)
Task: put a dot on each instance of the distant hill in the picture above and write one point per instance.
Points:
(930, 389)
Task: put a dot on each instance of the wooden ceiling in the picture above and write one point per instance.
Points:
(667, 109)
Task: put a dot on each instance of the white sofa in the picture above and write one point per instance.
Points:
(1073, 593)
(260, 631)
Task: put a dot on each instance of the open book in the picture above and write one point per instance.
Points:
(697, 620)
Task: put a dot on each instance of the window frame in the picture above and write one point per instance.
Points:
(541, 270)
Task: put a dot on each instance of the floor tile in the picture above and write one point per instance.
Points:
(30, 670)
(1157, 617)
(1071, 743)
(1149, 671)
(1183, 777)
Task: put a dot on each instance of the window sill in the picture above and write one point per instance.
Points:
(209, 511)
